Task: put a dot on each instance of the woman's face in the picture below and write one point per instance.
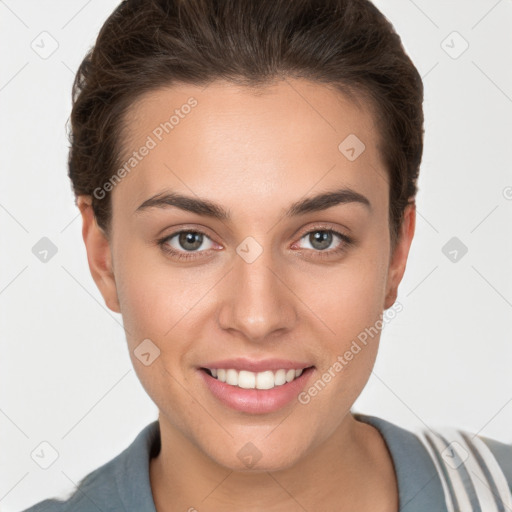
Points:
(264, 281)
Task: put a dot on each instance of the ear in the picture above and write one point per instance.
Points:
(399, 256)
(99, 254)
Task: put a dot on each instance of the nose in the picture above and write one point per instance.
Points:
(257, 302)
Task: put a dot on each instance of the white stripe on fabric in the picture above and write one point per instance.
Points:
(478, 479)
(420, 434)
(500, 481)
(453, 472)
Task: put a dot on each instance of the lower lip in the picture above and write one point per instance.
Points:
(256, 401)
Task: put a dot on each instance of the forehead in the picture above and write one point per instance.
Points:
(228, 142)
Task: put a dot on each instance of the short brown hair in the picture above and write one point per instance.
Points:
(147, 44)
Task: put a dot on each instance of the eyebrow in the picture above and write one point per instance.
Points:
(208, 208)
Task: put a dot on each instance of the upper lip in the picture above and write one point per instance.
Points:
(253, 365)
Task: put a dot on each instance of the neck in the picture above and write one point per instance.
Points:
(337, 472)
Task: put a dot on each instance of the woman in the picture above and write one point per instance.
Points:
(282, 141)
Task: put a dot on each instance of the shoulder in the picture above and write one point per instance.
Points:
(94, 492)
(120, 484)
(447, 468)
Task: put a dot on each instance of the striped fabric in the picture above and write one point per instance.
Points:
(471, 476)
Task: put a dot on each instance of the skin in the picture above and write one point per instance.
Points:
(254, 153)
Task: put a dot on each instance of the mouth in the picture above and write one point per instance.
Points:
(255, 392)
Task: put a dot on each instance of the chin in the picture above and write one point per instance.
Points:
(257, 455)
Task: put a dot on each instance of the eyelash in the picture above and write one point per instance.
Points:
(347, 242)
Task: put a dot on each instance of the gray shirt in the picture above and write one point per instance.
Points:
(429, 479)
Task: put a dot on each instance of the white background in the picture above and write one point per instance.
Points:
(65, 374)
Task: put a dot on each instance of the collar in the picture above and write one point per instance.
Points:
(419, 486)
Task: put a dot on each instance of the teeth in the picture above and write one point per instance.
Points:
(251, 380)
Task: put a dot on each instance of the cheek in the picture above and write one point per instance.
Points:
(164, 304)
(152, 307)
(153, 296)
(351, 297)
(146, 304)
(350, 306)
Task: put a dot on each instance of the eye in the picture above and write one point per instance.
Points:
(182, 242)
(320, 239)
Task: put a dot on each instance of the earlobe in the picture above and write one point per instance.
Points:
(401, 252)
(99, 255)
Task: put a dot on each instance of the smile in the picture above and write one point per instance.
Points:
(255, 392)
(267, 379)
